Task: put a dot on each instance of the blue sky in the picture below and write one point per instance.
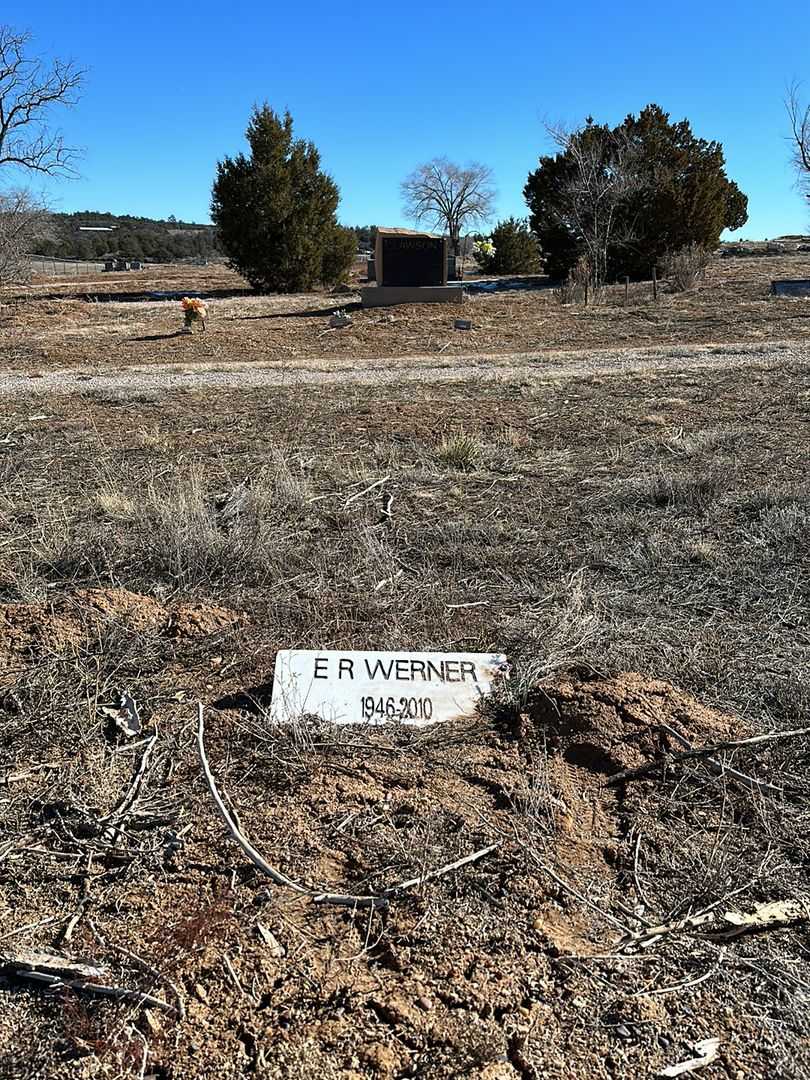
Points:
(381, 87)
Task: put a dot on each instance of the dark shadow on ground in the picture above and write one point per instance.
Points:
(309, 313)
(90, 297)
(255, 699)
(161, 337)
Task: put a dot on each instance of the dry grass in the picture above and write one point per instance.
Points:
(579, 535)
(459, 451)
(684, 268)
(54, 325)
(578, 532)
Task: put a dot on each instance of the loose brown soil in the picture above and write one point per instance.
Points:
(497, 970)
(29, 628)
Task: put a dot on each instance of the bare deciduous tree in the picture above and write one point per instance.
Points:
(22, 220)
(29, 88)
(448, 196)
(799, 116)
(596, 192)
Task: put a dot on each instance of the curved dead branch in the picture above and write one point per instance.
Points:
(255, 856)
(318, 896)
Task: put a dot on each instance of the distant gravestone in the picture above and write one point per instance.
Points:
(410, 268)
(412, 689)
(786, 287)
(410, 258)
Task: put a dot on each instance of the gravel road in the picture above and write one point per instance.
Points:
(403, 369)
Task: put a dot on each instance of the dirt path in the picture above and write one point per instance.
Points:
(399, 369)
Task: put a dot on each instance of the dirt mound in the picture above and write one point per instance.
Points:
(135, 610)
(28, 629)
(513, 966)
(595, 728)
(607, 725)
(199, 620)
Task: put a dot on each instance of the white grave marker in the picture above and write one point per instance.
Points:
(381, 687)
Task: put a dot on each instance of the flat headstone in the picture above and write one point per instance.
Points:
(411, 688)
(786, 287)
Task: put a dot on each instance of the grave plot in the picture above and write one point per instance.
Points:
(599, 869)
(384, 901)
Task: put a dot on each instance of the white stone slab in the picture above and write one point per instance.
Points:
(381, 687)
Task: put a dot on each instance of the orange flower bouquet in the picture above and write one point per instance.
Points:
(194, 310)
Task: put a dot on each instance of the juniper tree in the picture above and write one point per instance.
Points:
(516, 250)
(275, 209)
(658, 186)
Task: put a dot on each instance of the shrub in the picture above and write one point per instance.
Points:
(575, 287)
(685, 267)
(511, 249)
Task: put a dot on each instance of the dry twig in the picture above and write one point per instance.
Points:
(59, 971)
(317, 896)
(365, 491)
(717, 767)
(115, 819)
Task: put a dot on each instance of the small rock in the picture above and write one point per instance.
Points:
(274, 946)
(424, 1003)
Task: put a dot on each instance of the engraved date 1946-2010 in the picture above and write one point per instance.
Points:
(396, 708)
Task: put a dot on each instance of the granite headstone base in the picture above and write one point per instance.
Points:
(383, 295)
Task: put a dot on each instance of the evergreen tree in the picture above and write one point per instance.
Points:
(516, 250)
(275, 210)
(680, 196)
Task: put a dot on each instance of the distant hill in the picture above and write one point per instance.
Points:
(92, 234)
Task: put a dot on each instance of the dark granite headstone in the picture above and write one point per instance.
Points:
(787, 287)
(412, 260)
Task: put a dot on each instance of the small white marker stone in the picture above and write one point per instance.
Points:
(415, 689)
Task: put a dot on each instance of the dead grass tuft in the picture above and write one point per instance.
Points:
(787, 524)
(459, 451)
(663, 488)
(689, 444)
